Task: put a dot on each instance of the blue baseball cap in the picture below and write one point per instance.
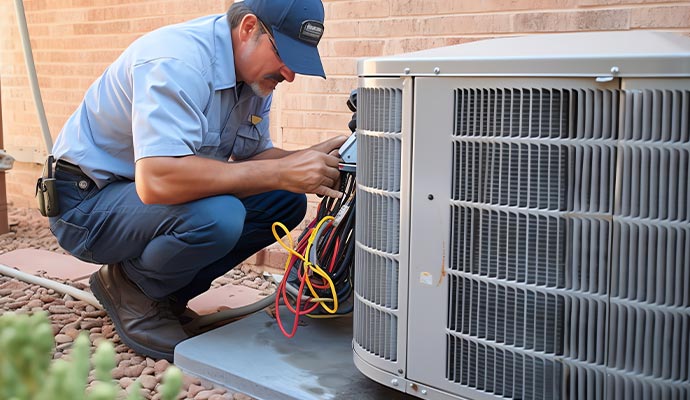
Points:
(297, 26)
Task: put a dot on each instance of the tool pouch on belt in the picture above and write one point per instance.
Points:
(46, 193)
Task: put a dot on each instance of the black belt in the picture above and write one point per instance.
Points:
(68, 167)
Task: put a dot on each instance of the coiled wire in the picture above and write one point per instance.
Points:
(318, 279)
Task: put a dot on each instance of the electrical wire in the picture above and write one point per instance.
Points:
(318, 272)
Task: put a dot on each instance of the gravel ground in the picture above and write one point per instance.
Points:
(69, 317)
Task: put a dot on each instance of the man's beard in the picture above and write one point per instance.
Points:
(256, 88)
(263, 93)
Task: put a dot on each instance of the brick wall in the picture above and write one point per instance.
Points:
(74, 40)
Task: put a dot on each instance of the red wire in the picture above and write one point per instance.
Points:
(335, 253)
(298, 313)
(299, 309)
(317, 282)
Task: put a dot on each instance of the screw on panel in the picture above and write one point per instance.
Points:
(615, 70)
(430, 197)
(406, 71)
(424, 392)
(437, 70)
(400, 371)
(394, 382)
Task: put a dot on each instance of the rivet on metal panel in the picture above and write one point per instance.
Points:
(407, 71)
(615, 70)
(430, 197)
(394, 382)
(437, 70)
(424, 392)
(400, 371)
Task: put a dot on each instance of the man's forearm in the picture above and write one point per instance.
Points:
(176, 180)
(327, 146)
(272, 154)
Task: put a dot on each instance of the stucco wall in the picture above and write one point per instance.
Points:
(74, 40)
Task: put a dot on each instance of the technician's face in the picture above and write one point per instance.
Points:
(259, 63)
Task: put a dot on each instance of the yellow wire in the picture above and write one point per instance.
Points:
(283, 245)
(318, 270)
(307, 265)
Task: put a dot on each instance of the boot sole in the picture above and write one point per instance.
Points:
(101, 295)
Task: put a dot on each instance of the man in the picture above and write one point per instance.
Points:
(166, 172)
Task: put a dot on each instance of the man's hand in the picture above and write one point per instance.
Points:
(330, 145)
(311, 171)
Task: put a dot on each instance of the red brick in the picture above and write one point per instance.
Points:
(359, 9)
(660, 17)
(572, 21)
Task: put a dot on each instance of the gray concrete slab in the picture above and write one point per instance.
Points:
(252, 356)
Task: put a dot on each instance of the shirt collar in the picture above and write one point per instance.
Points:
(224, 66)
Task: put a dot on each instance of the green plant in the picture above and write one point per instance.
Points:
(26, 371)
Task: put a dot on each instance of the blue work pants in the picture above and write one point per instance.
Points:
(169, 251)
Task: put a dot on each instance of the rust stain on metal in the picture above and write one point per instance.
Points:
(443, 265)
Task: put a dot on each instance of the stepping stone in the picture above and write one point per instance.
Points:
(56, 265)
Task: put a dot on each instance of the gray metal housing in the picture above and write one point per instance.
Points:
(522, 218)
(586, 54)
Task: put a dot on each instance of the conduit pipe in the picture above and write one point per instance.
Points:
(50, 284)
(33, 79)
(218, 317)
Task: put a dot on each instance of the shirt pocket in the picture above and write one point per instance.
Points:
(247, 142)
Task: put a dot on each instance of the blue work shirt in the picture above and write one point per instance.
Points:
(172, 92)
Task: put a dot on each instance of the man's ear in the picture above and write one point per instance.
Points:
(248, 27)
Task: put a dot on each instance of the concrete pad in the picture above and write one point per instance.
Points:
(228, 296)
(56, 265)
(252, 356)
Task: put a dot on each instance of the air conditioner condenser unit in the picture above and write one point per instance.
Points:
(523, 226)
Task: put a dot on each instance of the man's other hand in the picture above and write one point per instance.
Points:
(331, 145)
(313, 171)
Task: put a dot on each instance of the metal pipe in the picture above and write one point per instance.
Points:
(31, 70)
(4, 214)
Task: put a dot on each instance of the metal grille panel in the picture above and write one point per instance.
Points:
(649, 350)
(516, 247)
(379, 144)
(380, 228)
(377, 329)
(533, 180)
(539, 375)
(375, 281)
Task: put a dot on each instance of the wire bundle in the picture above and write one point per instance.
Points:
(318, 272)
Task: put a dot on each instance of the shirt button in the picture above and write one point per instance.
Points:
(83, 185)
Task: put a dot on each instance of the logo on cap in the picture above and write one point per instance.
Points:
(311, 32)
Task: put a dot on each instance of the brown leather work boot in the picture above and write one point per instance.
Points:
(146, 326)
